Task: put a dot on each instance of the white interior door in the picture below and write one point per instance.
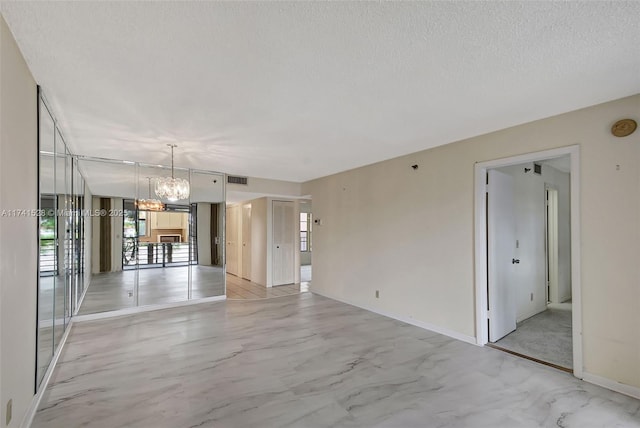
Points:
(284, 229)
(553, 294)
(501, 227)
(246, 241)
(232, 240)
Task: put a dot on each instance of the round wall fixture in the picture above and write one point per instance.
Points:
(624, 127)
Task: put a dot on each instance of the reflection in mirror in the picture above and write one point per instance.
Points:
(62, 280)
(306, 241)
(110, 286)
(78, 234)
(163, 240)
(61, 236)
(67, 220)
(142, 249)
(48, 263)
(207, 224)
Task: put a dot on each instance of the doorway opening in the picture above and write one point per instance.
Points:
(306, 242)
(263, 249)
(527, 257)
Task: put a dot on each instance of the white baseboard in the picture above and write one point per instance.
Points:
(408, 320)
(27, 420)
(139, 309)
(631, 391)
(84, 293)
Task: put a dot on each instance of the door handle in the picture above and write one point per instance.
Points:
(515, 261)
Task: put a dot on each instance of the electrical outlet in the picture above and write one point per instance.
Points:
(9, 411)
(377, 294)
(532, 297)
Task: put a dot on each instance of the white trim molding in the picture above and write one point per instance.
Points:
(480, 229)
(427, 326)
(148, 308)
(622, 388)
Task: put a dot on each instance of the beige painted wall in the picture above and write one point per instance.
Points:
(18, 235)
(409, 233)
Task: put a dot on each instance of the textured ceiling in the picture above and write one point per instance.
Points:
(295, 91)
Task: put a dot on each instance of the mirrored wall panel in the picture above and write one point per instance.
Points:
(114, 235)
(112, 282)
(61, 257)
(62, 196)
(206, 235)
(48, 259)
(145, 247)
(163, 239)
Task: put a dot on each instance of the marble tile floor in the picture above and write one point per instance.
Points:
(545, 336)
(305, 361)
(115, 290)
(241, 289)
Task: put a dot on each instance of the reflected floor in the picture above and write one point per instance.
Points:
(51, 300)
(305, 361)
(50, 285)
(116, 290)
(45, 350)
(241, 289)
(545, 336)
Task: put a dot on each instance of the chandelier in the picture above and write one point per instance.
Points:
(149, 204)
(171, 188)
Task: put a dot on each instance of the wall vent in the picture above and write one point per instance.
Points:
(537, 169)
(232, 179)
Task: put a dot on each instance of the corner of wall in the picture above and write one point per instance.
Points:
(18, 271)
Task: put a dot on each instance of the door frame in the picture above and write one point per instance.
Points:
(551, 257)
(246, 250)
(480, 216)
(296, 248)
